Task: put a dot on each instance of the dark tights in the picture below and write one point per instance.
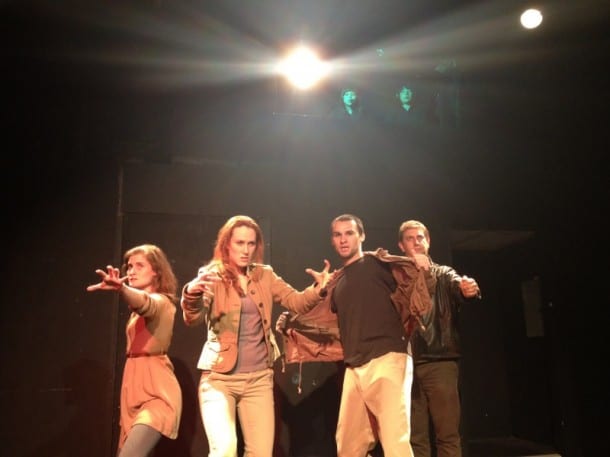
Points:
(140, 441)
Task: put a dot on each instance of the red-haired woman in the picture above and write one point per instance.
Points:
(233, 295)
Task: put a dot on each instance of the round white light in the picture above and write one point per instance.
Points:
(531, 18)
(303, 68)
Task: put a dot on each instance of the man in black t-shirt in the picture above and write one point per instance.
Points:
(375, 399)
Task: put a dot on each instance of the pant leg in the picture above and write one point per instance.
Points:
(255, 409)
(407, 387)
(386, 387)
(442, 390)
(354, 434)
(420, 420)
(217, 402)
(141, 440)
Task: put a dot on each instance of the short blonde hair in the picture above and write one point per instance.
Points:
(412, 224)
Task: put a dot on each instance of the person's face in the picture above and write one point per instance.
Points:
(349, 97)
(414, 241)
(242, 246)
(140, 273)
(346, 240)
(405, 95)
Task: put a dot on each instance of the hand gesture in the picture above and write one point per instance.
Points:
(469, 287)
(111, 280)
(422, 261)
(203, 284)
(321, 277)
(282, 322)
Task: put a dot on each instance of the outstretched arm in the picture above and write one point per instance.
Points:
(139, 301)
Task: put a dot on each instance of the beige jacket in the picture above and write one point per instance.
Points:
(222, 316)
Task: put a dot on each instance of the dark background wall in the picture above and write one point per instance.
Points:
(94, 163)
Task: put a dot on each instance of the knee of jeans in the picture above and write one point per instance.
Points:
(223, 447)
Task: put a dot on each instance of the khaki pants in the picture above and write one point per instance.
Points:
(251, 395)
(375, 404)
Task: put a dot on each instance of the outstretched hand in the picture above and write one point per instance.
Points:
(469, 287)
(321, 277)
(111, 280)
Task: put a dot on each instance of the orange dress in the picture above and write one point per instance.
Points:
(150, 392)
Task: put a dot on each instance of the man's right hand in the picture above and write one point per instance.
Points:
(422, 261)
(280, 325)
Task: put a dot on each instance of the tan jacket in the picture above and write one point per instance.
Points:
(222, 317)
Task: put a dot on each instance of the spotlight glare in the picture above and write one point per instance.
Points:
(531, 18)
(303, 68)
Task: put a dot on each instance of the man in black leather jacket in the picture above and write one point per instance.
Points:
(436, 351)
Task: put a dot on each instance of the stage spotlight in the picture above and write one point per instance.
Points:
(531, 18)
(303, 68)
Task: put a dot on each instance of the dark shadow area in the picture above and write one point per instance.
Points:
(509, 447)
(108, 144)
(81, 382)
(307, 420)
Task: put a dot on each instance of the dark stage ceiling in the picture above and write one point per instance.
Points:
(541, 96)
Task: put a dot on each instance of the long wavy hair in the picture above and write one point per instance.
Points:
(165, 282)
(220, 262)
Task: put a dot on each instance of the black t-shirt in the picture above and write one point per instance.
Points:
(369, 324)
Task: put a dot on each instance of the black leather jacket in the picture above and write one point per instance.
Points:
(439, 338)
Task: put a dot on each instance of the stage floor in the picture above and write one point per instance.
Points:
(509, 447)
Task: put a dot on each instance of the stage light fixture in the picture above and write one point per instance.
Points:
(531, 18)
(303, 68)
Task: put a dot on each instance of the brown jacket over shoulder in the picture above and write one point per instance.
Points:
(314, 336)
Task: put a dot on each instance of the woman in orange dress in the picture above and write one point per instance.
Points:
(151, 399)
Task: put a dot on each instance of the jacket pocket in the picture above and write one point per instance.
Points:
(218, 356)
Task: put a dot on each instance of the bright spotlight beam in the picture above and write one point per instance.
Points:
(303, 68)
